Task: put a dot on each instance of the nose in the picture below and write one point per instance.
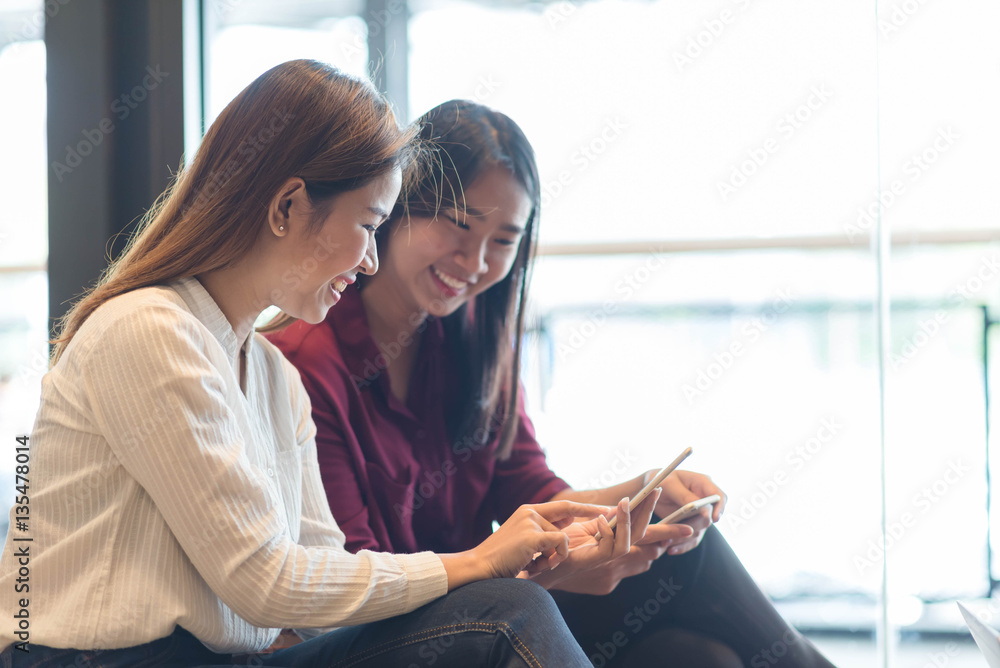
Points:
(369, 263)
(472, 257)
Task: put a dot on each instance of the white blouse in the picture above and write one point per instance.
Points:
(161, 495)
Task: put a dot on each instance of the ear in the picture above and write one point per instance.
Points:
(289, 207)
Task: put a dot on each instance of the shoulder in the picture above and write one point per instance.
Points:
(147, 316)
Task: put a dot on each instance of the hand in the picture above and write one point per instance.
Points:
(594, 543)
(603, 579)
(587, 570)
(680, 488)
(531, 536)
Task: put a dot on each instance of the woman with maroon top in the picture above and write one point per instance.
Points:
(423, 438)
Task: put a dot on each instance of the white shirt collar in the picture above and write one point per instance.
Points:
(201, 304)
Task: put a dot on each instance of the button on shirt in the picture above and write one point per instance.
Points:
(149, 503)
(395, 479)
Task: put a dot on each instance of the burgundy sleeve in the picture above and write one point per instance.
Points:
(524, 477)
(337, 467)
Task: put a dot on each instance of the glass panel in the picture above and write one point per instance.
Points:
(765, 363)
(938, 141)
(723, 121)
(23, 229)
(939, 105)
(23, 232)
(248, 38)
(666, 120)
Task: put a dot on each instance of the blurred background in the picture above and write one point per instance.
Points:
(770, 231)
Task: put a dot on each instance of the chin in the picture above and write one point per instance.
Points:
(312, 315)
(441, 309)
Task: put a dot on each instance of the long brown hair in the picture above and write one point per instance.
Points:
(460, 140)
(301, 118)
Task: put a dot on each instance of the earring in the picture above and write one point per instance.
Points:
(281, 228)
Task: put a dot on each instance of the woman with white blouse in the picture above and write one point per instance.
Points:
(177, 512)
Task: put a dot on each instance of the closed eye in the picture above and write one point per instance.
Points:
(462, 226)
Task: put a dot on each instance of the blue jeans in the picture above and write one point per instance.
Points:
(490, 623)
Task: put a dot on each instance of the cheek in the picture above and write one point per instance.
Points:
(501, 265)
(414, 251)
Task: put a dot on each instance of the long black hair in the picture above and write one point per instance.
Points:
(460, 141)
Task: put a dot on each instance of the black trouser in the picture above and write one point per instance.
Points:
(701, 609)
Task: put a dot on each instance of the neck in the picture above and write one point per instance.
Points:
(388, 315)
(233, 290)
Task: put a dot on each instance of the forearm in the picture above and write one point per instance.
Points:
(607, 496)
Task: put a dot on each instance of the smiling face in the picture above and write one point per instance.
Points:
(437, 264)
(314, 265)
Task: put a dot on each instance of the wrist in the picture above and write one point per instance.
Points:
(462, 568)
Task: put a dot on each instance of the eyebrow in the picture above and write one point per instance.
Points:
(506, 227)
(381, 213)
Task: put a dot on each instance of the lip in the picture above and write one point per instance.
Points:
(443, 287)
(457, 277)
(336, 295)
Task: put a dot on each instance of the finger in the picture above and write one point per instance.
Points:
(700, 520)
(660, 533)
(605, 537)
(642, 514)
(651, 552)
(623, 531)
(678, 490)
(549, 542)
(543, 523)
(539, 564)
(554, 511)
(720, 506)
(685, 546)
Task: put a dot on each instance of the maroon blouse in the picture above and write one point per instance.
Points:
(395, 481)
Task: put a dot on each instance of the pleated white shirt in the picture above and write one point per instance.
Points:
(162, 495)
